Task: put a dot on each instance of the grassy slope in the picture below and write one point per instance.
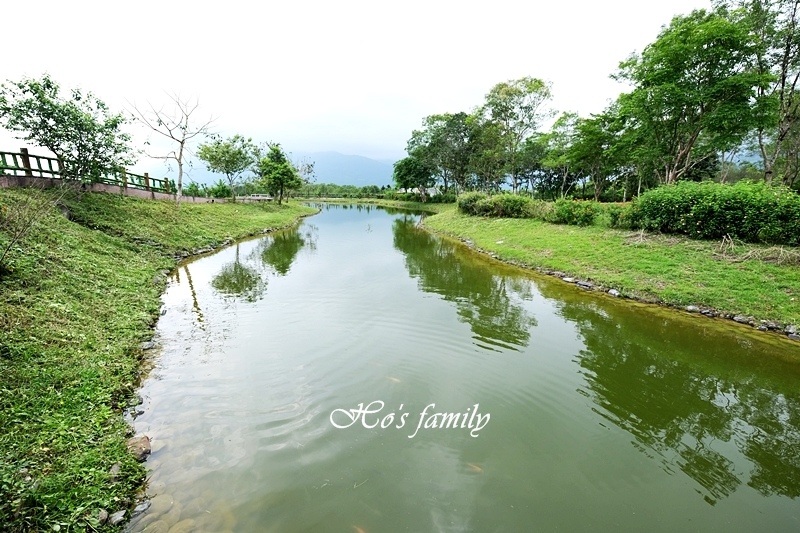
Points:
(81, 297)
(675, 271)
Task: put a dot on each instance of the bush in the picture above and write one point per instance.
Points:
(505, 206)
(468, 201)
(575, 212)
(753, 212)
(447, 198)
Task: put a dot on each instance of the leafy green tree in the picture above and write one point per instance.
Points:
(774, 27)
(596, 150)
(444, 142)
(414, 172)
(557, 156)
(193, 189)
(231, 157)
(276, 173)
(220, 189)
(694, 94)
(487, 157)
(83, 134)
(517, 107)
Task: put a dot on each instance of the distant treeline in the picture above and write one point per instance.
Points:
(714, 97)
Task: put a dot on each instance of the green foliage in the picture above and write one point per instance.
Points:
(80, 131)
(614, 212)
(442, 198)
(413, 172)
(276, 173)
(505, 206)
(230, 157)
(694, 93)
(193, 189)
(467, 202)
(754, 212)
(516, 107)
(575, 212)
(220, 190)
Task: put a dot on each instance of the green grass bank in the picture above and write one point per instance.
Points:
(728, 278)
(78, 296)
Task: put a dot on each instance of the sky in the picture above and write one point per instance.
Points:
(350, 76)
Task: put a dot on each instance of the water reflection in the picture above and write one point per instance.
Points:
(614, 416)
(689, 402)
(237, 279)
(280, 251)
(246, 278)
(490, 303)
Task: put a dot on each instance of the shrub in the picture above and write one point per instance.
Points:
(753, 212)
(468, 201)
(447, 198)
(505, 206)
(575, 212)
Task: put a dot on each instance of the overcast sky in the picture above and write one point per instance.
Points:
(351, 76)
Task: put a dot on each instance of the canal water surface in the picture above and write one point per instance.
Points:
(357, 374)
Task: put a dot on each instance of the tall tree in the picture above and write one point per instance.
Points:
(694, 92)
(557, 156)
(231, 157)
(487, 158)
(596, 150)
(276, 173)
(517, 106)
(774, 27)
(81, 131)
(444, 142)
(413, 172)
(174, 122)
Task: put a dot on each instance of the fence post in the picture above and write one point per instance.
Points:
(146, 181)
(124, 179)
(166, 185)
(26, 162)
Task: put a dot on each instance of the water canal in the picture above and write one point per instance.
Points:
(564, 410)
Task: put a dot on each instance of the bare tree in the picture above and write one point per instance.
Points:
(175, 123)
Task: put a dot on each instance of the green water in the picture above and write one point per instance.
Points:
(566, 410)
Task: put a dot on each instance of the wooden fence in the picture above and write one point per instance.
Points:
(23, 164)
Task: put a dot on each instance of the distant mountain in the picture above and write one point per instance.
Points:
(342, 169)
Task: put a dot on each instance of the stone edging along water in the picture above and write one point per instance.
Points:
(789, 331)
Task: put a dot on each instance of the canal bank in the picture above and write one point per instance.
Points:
(750, 284)
(78, 297)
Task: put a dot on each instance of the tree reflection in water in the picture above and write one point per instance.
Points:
(485, 300)
(239, 280)
(696, 403)
(281, 250)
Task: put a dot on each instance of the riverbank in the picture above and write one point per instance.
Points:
(78, 299)
(752, 284)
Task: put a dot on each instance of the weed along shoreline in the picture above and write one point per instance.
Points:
(79, 298)
(679, 273)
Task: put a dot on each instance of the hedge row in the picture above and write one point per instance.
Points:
(447, 198)
(754, 212)
(581, 213)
